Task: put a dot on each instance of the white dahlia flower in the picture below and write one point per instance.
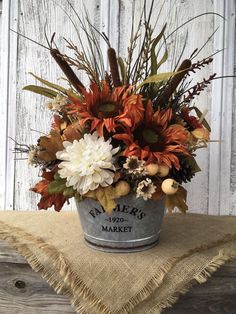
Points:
(87, 163)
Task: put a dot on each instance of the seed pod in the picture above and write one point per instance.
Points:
(174, 82)
(66, 69)
(114, 67)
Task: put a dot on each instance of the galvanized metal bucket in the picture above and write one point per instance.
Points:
(134, 224)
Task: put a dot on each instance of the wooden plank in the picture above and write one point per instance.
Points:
(5, 52)
(30, 109)
(104, 27)
(227, 109)
(220, 201)
(216, 113)
(11, 118)
(9, 254)
(24, 291)
(233, 151)
(8, 103)
(217, 295)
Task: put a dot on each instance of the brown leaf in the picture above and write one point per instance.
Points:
(116, 177)
(158, 194)
(106, 198)
(50, 145)
(177, 200)
(91, 194)
(59, 123)
(72, 132)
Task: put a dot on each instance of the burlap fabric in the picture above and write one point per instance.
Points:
(190, 249)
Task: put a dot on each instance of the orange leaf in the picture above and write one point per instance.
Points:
(56, 200)
(48, 200)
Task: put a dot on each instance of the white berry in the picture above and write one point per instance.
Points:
(163, 171)
(152, 169)
(169, 186)
(122, 188)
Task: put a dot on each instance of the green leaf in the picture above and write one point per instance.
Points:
(56, 87)
(163, 59)
(193, 164)
(154, 65)
(204, 122)
(49, 84)
(57, 187)
(41, 91)
(57, 177)
(78, 197)
(69, 192)
(157, 78)
(122, 69)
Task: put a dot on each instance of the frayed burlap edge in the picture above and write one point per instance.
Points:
(60, 276)
(143, 294)
(65, 281)
(199, 278)
(68, 282)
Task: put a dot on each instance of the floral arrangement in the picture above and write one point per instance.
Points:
(133, 130)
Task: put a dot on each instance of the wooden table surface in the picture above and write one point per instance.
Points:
(22, 291)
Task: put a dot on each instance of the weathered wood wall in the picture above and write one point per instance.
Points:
(27, 111)
(233, 152)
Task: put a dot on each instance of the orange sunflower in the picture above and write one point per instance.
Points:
(156, 140)
(109, 110)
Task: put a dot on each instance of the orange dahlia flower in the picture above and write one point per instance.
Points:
(156, 140)
(109, 110)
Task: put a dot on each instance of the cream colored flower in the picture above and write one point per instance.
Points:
(134, 165)
(32, 155)
(57, 103)
(145, 189)
(87, 163)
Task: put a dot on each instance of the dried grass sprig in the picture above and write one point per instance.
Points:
(197, 89)
(201, 64)
(140, 62)
(81, 62)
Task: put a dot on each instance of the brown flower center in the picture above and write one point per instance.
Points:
(145, 189)
(106, 110)
(150, 136)
(133, 164)
(147, 136)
